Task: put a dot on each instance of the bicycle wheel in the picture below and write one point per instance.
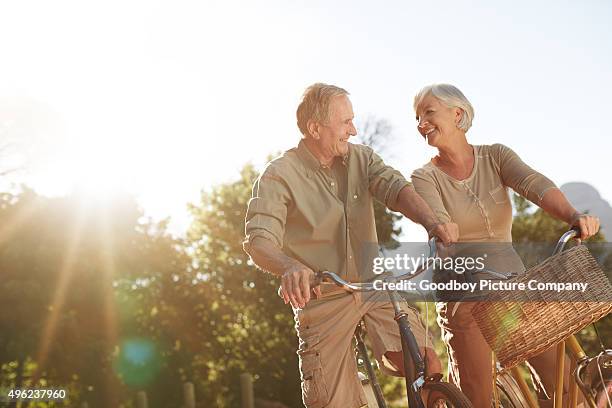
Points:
(445, 395)
(509, 392)
(603, 395)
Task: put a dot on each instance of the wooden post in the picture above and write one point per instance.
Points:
(141, 399)
(246, 387)
(189, 395)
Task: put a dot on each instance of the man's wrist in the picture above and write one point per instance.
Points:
(430, 222)
(291, 264)
(432, 227)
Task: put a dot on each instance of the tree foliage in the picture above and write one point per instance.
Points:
(249, 328)
(69, 297)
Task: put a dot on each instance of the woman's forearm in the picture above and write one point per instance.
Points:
(556, 204)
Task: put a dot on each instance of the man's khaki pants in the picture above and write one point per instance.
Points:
(325, 329)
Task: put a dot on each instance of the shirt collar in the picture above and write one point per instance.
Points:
(310, 160)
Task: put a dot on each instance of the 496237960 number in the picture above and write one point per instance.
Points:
(36, 394)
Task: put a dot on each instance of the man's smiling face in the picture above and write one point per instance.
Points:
(334, 135)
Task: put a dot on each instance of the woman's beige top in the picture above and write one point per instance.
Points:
(480, 204)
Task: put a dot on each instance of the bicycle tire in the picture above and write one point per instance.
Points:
(509, 393)
(440, 392)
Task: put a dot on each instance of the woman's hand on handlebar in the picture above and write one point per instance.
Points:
(448, 232)
(296, 283)
(588, 225)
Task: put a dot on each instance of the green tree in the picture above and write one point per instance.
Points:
(68, 267)
(247, 326)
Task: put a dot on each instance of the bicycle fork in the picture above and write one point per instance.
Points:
(410, 352)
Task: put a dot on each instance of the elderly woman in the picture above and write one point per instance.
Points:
(467, 185)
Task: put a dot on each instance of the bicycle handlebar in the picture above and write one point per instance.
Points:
(572, 233)
(369, 286)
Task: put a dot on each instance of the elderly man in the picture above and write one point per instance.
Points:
(312, 210)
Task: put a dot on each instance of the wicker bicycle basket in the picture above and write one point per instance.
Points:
(518, 330)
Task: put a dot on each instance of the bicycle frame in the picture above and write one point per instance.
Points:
(576, 351)
(410, 349)
(578, 356)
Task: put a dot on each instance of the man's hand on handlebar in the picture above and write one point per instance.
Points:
(296, 283)
(448, 232)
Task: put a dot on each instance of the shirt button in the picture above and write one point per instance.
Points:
(355, 196)
(350, 256)
(333, 184)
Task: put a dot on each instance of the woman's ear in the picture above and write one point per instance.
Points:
(458, 116)
(313, 129)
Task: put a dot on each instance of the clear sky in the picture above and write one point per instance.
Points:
(166, 98)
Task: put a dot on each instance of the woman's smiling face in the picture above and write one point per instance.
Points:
(436, 121)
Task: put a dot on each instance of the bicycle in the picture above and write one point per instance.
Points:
(440, 394)
(592, 376)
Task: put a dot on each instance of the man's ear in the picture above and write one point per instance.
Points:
(313, 129)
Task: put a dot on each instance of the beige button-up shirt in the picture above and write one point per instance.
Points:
(323, 217)
(480, 204)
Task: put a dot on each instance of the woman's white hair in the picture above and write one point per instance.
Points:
(452, 97)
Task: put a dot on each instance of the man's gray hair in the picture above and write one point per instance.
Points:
(315, 104)
(452, 97)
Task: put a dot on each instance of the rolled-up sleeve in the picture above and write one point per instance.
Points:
(385, 182)
(267, 209)
(429, 192)
(519, 176)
